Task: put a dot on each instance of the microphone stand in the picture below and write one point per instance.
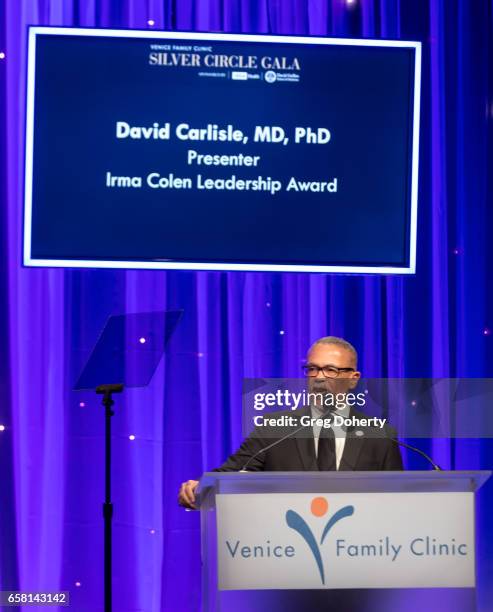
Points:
(279, 440)
(106, 391)
(419, 451)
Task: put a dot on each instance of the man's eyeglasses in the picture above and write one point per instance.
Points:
(328, 371)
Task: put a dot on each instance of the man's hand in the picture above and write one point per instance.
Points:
(186, 495)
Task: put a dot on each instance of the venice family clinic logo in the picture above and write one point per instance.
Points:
(319, 508)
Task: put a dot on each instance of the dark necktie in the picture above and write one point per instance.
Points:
(326, 454)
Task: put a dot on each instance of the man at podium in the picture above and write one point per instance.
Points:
(331, 367)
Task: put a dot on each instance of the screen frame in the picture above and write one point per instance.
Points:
(29, 261)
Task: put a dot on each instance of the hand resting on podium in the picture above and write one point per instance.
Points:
(186, 494)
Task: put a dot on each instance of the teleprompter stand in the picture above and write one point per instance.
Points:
(107, 391)
(126, 355)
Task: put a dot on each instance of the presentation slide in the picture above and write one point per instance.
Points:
(210, 151)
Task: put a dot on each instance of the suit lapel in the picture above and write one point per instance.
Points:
(306, 450)
(352, 448)
(351, 453)
(306, 445)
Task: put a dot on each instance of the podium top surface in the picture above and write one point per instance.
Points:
(344, 482)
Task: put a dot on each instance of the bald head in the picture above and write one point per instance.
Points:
(344, 350)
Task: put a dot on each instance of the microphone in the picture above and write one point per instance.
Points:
(269, 446)
(417, 450)
(414, 449)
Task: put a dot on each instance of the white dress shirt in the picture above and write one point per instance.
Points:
(339, 432)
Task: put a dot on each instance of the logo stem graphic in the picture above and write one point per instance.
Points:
(319, 508)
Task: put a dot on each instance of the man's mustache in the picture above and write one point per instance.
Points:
(324, 387)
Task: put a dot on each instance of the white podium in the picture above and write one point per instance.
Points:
(345, 541)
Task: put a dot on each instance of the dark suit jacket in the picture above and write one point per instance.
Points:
(297, 453)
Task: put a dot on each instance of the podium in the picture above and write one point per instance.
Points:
(345, 541)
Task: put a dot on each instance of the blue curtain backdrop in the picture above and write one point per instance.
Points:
(436, 323)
